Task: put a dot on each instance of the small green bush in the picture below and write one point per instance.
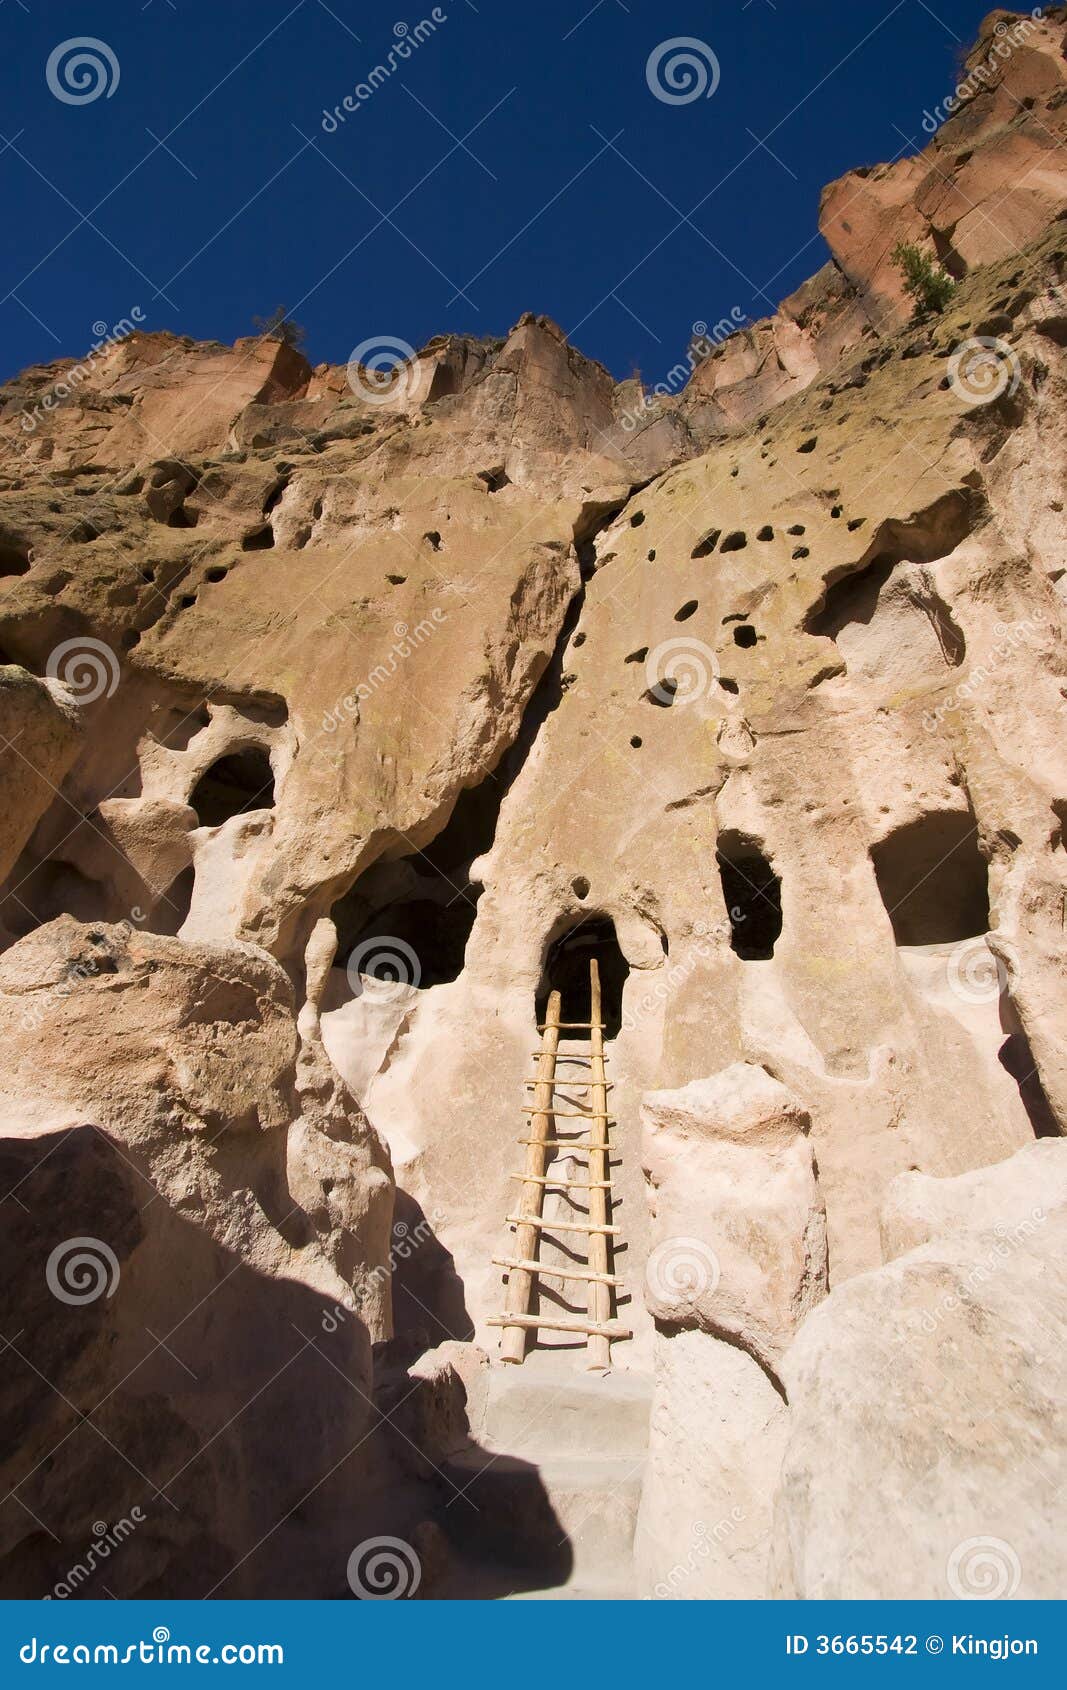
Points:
(928, 283)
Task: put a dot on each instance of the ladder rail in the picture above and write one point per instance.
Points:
(598, 1348)
(521, 1282)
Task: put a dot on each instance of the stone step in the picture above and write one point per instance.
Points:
(570, 1517)
(558, 1409)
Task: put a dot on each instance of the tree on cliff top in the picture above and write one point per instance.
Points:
(280, 326)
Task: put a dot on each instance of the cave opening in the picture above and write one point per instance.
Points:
(933, 879)
(753, 894)
(234, 785)
(566, 970)
(50, 889)
(424, 900)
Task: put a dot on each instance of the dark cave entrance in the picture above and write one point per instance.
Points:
(933, 879)
(235, 785)
(753, 894)
(566, 970)
(425, 899)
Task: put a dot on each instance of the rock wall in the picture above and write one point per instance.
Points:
(333, 711)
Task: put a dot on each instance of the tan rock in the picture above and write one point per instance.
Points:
(924, 1457)
(738, 1243)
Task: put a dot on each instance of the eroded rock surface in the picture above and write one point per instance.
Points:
(940, 1375)
(342, 723)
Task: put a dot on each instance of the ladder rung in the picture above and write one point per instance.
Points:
(571, 1184)
(571, 1144)
(554, 1024)
(559, 1226)
(541, 1268)
(566, 1055)
(566, 1114)
(606, 1328)
(572, 1085)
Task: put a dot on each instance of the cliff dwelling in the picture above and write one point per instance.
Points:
(532, 933)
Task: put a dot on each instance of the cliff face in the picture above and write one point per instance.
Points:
(988, 182)
(332, 709)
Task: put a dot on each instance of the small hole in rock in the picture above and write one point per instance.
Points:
(706, 545)
(259, 540)
(637, 519)
(639, 655)
(233, 786)
(753, 894)
(662, 694)
(580, 886)
(735, 542)
(434, 539)
(637, 742)
(495, 479)
(766, 533)
(809, 445)
(933, 879)
(745, 636)
(688, 609)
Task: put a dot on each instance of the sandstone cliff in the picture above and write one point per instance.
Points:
(334, 711)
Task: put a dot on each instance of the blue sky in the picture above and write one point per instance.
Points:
(516, 160)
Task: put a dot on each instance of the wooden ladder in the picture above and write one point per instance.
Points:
(525, 1266)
